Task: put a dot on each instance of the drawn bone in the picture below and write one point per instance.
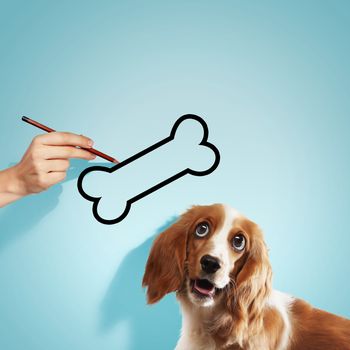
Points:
(158, 175)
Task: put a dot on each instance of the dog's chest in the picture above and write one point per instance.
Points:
(193, 336)
(193, 340)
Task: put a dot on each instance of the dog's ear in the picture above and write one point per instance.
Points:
(253, 284)
(164, 271)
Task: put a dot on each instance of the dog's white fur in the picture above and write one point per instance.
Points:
(194, 337)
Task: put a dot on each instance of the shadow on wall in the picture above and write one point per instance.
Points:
(151, 326)
(21, 216)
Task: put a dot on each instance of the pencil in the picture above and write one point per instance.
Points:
(47, 129)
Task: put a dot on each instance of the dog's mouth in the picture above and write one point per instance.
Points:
(203, 288)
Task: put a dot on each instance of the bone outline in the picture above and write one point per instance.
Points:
(161, 184)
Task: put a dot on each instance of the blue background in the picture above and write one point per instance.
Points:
(272, 81)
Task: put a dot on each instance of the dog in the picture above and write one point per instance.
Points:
(216, 261)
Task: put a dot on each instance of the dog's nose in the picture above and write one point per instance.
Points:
(209, 264)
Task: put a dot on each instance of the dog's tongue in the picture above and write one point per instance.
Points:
(204, 287)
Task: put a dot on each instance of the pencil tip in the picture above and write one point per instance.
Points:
(115, 161)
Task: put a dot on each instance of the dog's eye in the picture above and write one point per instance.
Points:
(202, 229)
(238, 242)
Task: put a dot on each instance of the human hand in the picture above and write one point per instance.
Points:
(44, 164)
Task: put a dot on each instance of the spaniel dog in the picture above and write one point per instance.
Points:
(217, 262)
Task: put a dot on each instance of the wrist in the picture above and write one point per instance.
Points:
(11, 182)
(9, 187)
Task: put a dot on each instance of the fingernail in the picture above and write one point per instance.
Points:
(90, 143)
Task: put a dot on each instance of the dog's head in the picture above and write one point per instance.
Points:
(211, 253)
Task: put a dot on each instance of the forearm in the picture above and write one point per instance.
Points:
(9, 187)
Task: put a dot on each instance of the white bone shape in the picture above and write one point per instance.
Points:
(175, 148)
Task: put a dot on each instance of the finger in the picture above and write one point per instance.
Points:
(66, 152)
(55, 177)
(55, 165)
(63, 139)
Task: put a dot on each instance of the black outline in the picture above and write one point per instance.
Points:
(204, 142)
